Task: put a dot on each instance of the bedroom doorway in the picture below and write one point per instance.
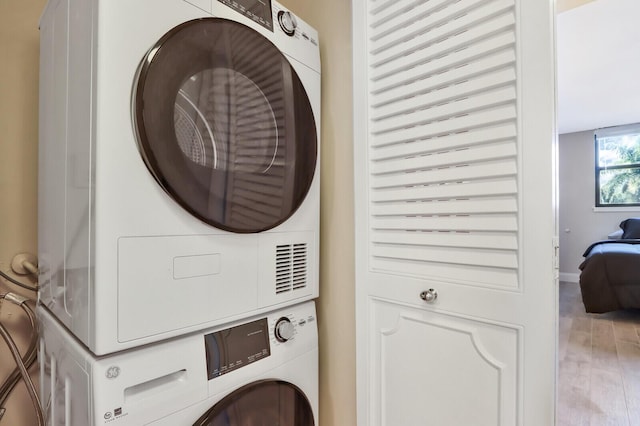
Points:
(598, 354)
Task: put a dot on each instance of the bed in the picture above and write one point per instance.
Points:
(610, 272)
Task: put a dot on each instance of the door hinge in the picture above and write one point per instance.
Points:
(556, 256)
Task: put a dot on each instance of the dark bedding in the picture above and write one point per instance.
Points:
(610, 277)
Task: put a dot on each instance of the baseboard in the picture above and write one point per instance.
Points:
(569, 277)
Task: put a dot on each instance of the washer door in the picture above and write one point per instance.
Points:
(225, 126)
(264, 403)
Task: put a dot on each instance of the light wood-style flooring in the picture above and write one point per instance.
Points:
(599, 364)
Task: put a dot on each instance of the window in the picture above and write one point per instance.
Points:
(618, 166)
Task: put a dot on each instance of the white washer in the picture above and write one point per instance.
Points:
(179, 165)
(222, 376)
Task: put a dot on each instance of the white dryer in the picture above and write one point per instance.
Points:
(260, 371)
(179, 165)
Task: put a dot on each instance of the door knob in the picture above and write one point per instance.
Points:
(429, 296)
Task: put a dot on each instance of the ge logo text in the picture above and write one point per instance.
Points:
(112, 372)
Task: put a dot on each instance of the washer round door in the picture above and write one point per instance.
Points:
(264, 403)
(225, 126)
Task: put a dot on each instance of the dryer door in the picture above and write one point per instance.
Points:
(225, 126)
(269, 402)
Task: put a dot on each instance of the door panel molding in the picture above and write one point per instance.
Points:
(466, 347)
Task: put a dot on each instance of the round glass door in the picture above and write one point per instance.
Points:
(225, 126)
(265, 403)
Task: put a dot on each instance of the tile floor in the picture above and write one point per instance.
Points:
(599, 364)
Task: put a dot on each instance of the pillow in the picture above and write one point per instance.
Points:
(630, 228)
(615, 235)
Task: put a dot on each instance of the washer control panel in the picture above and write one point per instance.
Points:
(233, 348)
(271, 339)
(258, 11)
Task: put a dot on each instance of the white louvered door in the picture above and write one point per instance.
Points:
(454, 170)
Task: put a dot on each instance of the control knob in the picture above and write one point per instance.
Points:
(288, 22)
(284, 329)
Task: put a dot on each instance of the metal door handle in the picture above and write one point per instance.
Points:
(429, 296)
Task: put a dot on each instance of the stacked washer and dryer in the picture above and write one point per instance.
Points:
(178, 213)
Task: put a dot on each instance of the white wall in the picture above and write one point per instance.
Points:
(579, 224)
(598, 65)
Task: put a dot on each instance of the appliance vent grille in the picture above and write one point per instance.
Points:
(291, 267)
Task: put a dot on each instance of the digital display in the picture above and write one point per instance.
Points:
(257, 10)
(233, 348)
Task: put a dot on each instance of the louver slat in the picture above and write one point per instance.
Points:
(433, 97)
(445, 159)
(410, 58)
(443, 207)
(446, 141)
(463, 72)
(483, 49)
(446, 126)
(378, 7)
(445, 111)
(439, 26)
(496, 223)
(395, 19)
(497, 169)
(443, 141)
(453, 190)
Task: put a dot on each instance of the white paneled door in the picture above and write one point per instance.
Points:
(456, 268)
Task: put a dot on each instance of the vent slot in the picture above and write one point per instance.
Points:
(291, 267)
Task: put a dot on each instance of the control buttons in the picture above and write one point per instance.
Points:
(287, 22)
(284, 329)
